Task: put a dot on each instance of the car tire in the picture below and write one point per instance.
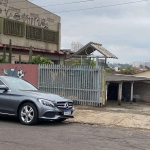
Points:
(60, 120)
(28, 114)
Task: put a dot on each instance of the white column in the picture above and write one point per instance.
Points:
(107, 84)
(59, 37)
(131, 96)
(119, 93)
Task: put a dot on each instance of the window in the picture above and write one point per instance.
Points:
(50, 36)
(1, 22)
(1, 83)
(34, 33)
(13, 27)
(19, 84)
(17, 28)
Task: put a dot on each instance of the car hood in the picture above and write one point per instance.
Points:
(45, 95)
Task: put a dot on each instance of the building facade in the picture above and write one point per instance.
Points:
(75, 46)
(27, 24)
(136, 64)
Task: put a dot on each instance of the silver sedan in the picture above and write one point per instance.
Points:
(21, 99)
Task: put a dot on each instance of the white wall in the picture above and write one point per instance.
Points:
(30, 14)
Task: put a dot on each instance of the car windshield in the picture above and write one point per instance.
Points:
(19, 84)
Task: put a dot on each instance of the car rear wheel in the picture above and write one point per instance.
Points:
(28, 114)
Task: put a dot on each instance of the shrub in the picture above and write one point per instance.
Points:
(40, 60)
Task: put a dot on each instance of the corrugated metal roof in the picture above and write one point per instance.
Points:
(91, 47)
(124, 78)
(103, 51)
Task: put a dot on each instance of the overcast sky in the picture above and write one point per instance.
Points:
(124, 30)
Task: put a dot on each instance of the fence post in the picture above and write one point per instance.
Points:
(103, 88)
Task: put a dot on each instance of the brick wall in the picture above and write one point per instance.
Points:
(28, 72)
(143, 90)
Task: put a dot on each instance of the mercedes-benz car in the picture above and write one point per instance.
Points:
(21, 99)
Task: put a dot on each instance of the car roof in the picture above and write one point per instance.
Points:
(8, 77)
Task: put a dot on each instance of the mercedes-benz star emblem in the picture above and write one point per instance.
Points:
(66, 105)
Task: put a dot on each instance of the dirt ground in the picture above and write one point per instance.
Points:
(135, 115)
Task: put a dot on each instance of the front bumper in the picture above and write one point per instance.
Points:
(55, 115)
(49, 113)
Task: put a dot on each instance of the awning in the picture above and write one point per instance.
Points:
(35, 49)
(90, 48)
(124, 78)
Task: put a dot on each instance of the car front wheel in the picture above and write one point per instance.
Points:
(28, 114)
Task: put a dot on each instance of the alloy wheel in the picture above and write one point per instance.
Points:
(27, 114)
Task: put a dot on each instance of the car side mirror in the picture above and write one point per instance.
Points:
(3, 87)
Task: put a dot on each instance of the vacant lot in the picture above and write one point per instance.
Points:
(135, 115)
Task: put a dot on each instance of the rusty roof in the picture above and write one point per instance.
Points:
(91, 47)
(61, 52)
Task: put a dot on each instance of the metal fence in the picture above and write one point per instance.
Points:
(82, 84)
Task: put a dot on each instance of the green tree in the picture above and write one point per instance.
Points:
(128, 71)
(1, 60)
(10, 52)
(86, 61)
(30, 54)
(110, 70)
(147, 67)
(40, 60)
(92, 63)
(19, 59)
(4, 54)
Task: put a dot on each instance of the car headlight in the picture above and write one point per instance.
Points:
(45, 102)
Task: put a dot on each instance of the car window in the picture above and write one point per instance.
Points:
(1, 83)
(19, 84)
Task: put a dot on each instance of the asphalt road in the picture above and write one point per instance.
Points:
(69, 136)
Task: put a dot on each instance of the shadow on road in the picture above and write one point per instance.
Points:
(52, 123)
(6, 119)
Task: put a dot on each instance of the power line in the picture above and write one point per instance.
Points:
(50, 5)
(15, 2)
(113, 5)
(105, 6)
(83, 1)
(62, 4)
(68, 3)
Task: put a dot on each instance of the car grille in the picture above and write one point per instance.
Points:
(65, 105)
(49, 114)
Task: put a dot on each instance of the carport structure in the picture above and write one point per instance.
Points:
(89, 48)
(123, 87)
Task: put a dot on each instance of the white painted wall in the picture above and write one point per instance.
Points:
(30, 14)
